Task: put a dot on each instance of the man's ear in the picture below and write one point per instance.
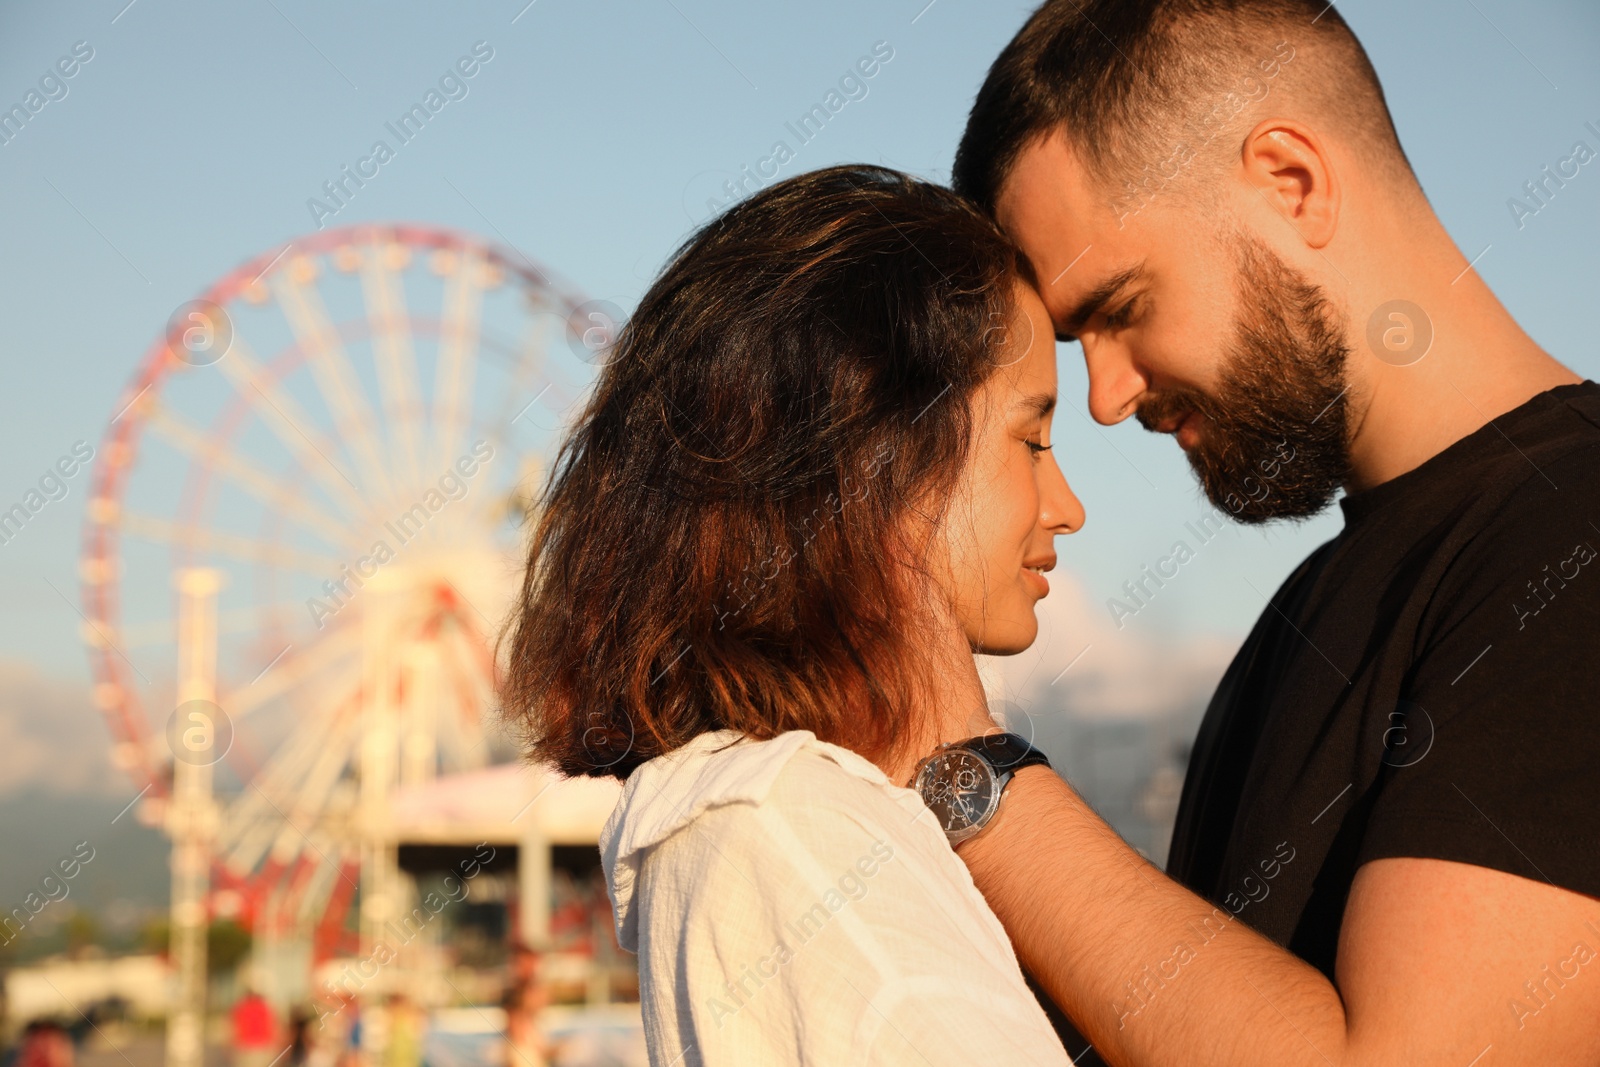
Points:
(1289, 166)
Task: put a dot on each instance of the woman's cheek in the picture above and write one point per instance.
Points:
(1024, 503)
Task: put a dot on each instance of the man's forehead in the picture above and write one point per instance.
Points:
(1047, 177)
(1078, 247)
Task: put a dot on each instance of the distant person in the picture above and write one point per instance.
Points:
(255, 1031)
(523, 965)
(525, 1042)
(602, 933)
(331, 1043)
(406, 1024)
(569, 916)
(45, 1043)
(813, 476)
(299, 1036)
(525, 999)
(352, 1052)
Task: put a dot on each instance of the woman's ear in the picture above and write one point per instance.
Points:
(1289, 166)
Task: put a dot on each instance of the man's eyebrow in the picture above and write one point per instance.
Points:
(1097, 299)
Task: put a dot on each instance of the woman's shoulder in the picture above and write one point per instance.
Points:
(722, 769)
(725, 803)
(816, 905)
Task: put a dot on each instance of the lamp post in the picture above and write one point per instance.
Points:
(198, 734)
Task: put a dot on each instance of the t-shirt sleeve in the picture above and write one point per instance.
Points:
(1494, 757)
(820, 928)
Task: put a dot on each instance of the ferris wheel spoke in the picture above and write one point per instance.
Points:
(458, 353)
(519, 398)
(279, 412)
(307, 767)
(335, 377)
(333, 756)
(297, 840)
(384, 291)
(531, 359)
(268, 488)
(247, 832)
(284, 886)
(281, 778)
(342, 642)
(298, 827)
(235, 546)
(294, 787)
(231, 621)
(251, 831)
(308, 909)
(311, 878)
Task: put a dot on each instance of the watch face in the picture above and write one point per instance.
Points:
(961, 791)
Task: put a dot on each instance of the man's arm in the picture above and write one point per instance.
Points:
(1434, 956)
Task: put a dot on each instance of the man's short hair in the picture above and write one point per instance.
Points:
(1143, 88)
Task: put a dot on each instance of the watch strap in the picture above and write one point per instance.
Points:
(1004, 751)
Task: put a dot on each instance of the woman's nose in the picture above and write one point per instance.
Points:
(1061, 511)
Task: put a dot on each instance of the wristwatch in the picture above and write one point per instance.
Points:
(962, 782)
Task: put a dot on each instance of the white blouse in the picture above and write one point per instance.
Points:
(791, 905)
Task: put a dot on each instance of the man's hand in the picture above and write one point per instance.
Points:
(1439, 963)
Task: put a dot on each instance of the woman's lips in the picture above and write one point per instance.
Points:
(1037, 580)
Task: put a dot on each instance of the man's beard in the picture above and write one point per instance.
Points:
(1275, 443)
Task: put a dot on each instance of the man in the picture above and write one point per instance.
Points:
(1386, 850)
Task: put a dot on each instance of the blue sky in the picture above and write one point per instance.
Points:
(591, 140)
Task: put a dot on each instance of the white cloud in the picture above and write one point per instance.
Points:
(1133, 672)
(51, 736)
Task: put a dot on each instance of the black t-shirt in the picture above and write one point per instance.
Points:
(1425, 684)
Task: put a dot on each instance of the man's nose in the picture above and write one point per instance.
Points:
(1114, 382)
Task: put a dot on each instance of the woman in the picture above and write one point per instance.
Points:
(812, 479)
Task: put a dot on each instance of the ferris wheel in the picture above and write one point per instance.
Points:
(341, 434)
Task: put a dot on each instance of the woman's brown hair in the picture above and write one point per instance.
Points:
(725, 538)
